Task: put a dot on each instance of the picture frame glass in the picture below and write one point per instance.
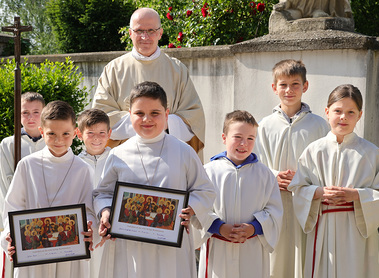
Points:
(49, 235)
(147, 213)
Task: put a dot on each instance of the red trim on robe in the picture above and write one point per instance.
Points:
(323, 212)
(207, 250)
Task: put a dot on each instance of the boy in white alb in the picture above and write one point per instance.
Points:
(31, 141)
(51, 177)
(282, 137)
(94, 130)
(248, 208)
(153, 158)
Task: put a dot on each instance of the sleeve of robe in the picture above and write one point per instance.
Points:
(15, 200)
(6, 171)
(304, 185)
(270, 217)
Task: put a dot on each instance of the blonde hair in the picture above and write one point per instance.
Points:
(238, 116)
(289, 67)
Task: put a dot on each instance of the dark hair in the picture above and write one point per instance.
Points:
(238, 116)
(91, 117)
(58, 110)
(289, 67)
(150, 90)
(32, 96)
(343, 91)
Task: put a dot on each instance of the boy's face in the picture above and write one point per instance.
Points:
(239, 141)
(58, 135)
(290, 90)
(95, 137)
(148, 116)
(31, 116)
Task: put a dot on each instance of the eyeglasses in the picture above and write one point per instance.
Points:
(149, 32)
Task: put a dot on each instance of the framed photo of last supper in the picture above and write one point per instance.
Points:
(48, 235)
(147, 213)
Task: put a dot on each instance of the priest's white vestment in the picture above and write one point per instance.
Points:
(123, 73)
(342, 241)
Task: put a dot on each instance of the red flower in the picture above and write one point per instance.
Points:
(171, 45)
(179, 46)
(189, 12)
(240, 39)
(169, 16)
(180, 37)
(204, 12)
(261, 7)
(205, 6)
(252, 4)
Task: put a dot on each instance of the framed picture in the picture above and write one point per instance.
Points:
(49, 235)
(147, 213)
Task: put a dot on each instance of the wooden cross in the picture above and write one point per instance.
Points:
(16, 29)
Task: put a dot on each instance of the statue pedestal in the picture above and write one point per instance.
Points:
(281, 22)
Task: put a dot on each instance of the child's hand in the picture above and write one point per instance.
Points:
(104, 227)
(226, 232)
(335, 195)
(284, 178)
(11, 249)
(186, 216)
(88, 235)
(243, 231)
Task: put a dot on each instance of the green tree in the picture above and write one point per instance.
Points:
(89, 25)
(31, 12)
(366, 16)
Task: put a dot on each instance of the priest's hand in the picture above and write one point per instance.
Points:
(11, 249)
(284, 178)
(186, 216)
(88, 235)
(104, 226)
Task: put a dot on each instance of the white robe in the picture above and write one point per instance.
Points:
(6, 175)
(7, 162)
(179, 167)
(244, 194)
(97, 163)
(123, 73)
(28, 191)
(279, 145)
(347, 241)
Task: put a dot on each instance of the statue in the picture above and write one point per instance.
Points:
(314, 8)
(311, 15)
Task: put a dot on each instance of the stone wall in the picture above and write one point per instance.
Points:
(239, 76)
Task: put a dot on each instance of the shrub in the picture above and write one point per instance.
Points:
(53, 80)
(200, 23)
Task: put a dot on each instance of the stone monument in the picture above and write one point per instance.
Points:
(311, 15)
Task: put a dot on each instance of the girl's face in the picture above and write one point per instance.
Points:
(343, 115)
